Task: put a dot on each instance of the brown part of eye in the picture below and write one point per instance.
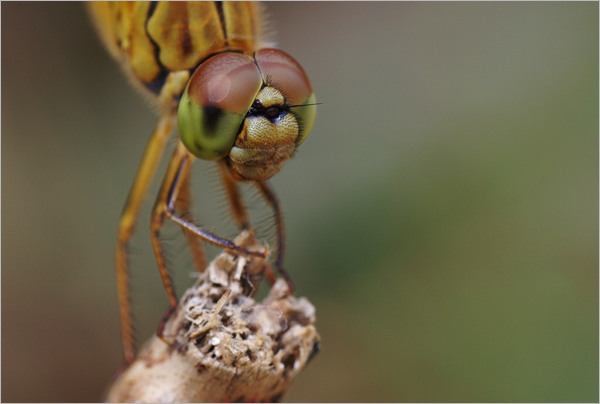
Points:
(227, 81)
(285, 74)
(257, 104)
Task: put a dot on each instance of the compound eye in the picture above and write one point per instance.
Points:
(282, 72)
(215, 102)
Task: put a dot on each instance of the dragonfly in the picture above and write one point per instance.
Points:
(233, 99)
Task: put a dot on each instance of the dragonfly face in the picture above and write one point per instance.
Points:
(244, 107)
(251, 111)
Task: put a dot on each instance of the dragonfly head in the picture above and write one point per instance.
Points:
(251, 111)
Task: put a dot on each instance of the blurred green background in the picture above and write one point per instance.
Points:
(442, 217)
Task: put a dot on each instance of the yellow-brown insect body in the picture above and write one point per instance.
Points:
(153, 39)
(206, 68)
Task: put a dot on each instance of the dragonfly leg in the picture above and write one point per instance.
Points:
(175, 85)
(236, 203)
(269, 194)
(166, 205)
(183, 205)
(177, 171)
(171, 186)
(147, 169)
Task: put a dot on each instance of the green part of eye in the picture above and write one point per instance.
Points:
(306, 116)
(207, 132)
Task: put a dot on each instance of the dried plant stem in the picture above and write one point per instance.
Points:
(222, 346)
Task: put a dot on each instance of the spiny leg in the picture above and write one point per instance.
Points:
(238, 209)
(269, 194)
(174, 86)
(165, 205)
(183, 206)
(177, 171)
(236, 203)
(147, 169)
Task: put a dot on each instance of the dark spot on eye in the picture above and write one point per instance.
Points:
(257, 104)
(272, 112)
(211, 115)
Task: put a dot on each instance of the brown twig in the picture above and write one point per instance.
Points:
(222, 346)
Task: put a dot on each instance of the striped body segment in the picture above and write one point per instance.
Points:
(152, 39)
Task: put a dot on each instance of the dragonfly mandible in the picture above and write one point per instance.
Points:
(245, 106)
